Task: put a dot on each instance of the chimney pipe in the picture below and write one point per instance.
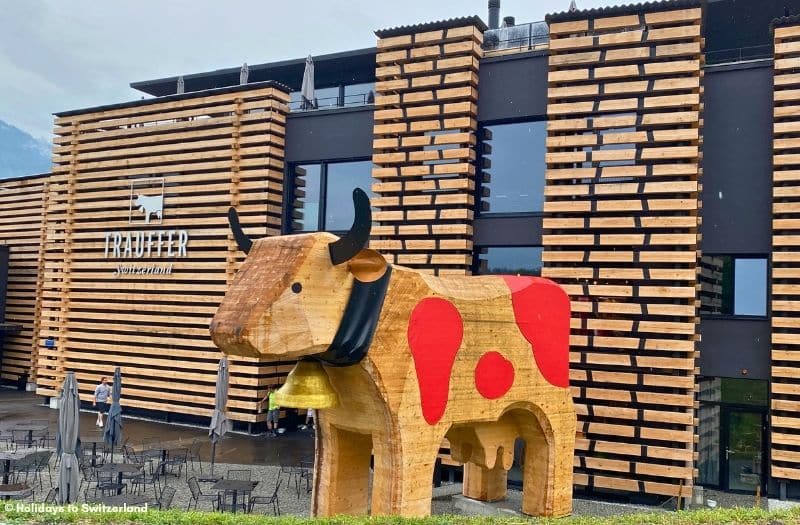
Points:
(509, 21)
(494, 14)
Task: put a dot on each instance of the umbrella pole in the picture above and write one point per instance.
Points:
(213, 454)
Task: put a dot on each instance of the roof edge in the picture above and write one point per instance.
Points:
(432, 26)
(170, 98)
(620, 10)
(785, 21)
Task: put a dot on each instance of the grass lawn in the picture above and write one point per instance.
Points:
(176, 517)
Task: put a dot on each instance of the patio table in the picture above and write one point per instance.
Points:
(119, 469)
(30, 428)
(7, 456)
(234, 486)
(94, 441)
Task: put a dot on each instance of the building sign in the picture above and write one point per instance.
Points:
(135, 250)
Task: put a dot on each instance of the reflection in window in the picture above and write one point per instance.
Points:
(323, 194)
(359, 94)
(516, 153)
(342, 178)
(307, 196)
(516, 260)
(733, 285)
(326, 97)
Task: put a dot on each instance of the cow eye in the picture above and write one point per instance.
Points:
(296, 287)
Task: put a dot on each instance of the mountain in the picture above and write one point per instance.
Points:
(21, 154)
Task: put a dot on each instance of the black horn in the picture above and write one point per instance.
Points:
(354, 240)
(242, 239)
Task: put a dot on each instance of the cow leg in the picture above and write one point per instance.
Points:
(485, 484)
(342, 472)
(403, 478)
(547, 471)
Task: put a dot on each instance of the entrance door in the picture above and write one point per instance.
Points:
(743, 450)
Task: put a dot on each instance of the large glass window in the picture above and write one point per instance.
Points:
(733, 285)
(359, 94)
(516, 176)
(512, 260)
(323, 194)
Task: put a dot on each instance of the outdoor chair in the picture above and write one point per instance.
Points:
(176, 461)
(88, 476)
(52, 494)
(43, 436)
(197, 495)
(39, 462)
(20, 467)
(107, 483)
(147, 477)
(194, 454)
(238, 474)
(241, 474)
(7, 440)
(304, 471)
(166, 498)
(267, 500)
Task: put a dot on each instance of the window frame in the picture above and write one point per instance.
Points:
(289, 193)
(482, 125)
(768, 280)
(476, 256)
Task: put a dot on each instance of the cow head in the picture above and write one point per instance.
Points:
(289, 297)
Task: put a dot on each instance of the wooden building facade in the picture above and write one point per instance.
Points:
(121, 255)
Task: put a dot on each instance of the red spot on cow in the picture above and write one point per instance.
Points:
(494, 375)
(435, 331)
(541, 309)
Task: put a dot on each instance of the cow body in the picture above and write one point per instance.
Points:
(479, 361)
(150, 205)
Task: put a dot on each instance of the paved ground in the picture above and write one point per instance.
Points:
(264, 457)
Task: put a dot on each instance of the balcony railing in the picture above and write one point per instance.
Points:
(360, 99)
(517, 38)
(739, 54)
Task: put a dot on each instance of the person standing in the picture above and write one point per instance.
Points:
(273, 411)
(101, 394)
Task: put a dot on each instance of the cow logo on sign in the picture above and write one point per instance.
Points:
(147, 201)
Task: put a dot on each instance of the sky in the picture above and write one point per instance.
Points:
(59, 55)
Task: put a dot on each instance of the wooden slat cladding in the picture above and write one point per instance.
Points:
(621, 235)
(785, 377)
(424, 147)
(203, 154)
(24, 203)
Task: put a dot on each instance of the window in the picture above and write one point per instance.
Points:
(323, 194)
(516, 260)
(359, 94)
(733, 285)
(517, 162)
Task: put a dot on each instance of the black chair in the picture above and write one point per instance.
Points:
(166, 498)
(42, 436)
(40, 461)
(176, 461)
(52, 494)
(8, 440)
(304, 471)
(242, 475)
(107, 484)
(267, 500)
(197, 495)
(194, 454)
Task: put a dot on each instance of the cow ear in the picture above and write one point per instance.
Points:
(367, 265)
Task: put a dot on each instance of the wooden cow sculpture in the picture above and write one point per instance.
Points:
(414, 359)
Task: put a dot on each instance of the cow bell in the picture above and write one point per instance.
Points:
(307, 386)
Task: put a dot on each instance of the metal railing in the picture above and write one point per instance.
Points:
(520, 37)
(739, 54)
(360, 99)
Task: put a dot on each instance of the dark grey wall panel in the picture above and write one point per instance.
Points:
(329, 135)
(728, 345)
(507, 231)
(737, 160)
(513, 87)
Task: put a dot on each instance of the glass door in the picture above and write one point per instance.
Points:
(743, 449)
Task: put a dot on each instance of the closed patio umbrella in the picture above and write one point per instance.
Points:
(67, 441)
(112, 434)
(307, 89)
(219, 420)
